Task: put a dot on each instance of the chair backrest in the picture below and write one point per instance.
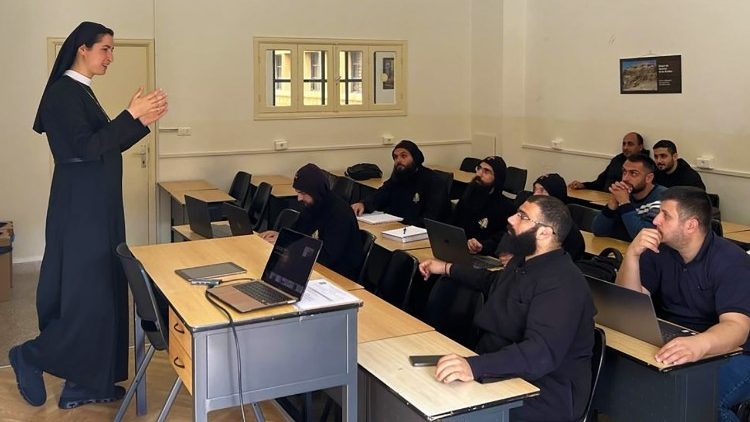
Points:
(343, 187)
(582, 215)
(443, 185)
(257, 207)
(368, 241)
(597, 361)
(451, 308)
(240, 188)
(470, 164)
(715, 210)
(145, 303)
(716, 227)
(330, 178)
(395, 284)
(515, 180)
(286, 219)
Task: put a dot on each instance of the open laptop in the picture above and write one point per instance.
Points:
(284, 279)
(632, 313)
(449, 244)
(239, 219)
(200, 219)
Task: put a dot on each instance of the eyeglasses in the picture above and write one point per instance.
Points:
(485, 170)
(524, 217)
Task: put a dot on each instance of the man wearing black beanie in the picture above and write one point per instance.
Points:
(329, 215)
(413, 191)
(483, 211)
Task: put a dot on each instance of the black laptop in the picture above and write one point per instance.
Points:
(239, 219)
(632, 313)
(449, 244)
(284, 279)
(199, 218)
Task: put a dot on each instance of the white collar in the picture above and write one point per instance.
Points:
(78, 77)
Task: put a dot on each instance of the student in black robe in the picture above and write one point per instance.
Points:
(82, 297)
(413, 191)
(325, 212)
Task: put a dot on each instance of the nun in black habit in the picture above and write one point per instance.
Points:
(82, 297)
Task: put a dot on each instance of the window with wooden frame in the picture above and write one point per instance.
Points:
(319, 78)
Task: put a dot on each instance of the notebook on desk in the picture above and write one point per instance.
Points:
(632, 313)
(199, 218)
(284, 278)
(449, 244)
(378, 217)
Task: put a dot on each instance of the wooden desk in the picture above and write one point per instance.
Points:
(728, 227)
(596, 244)
(589, 195)
(458, 175)
(212, 196)
(634, 387)
(739, 236)
(392, 245)
(271, 340)
(422, 254)
(271, 179)
(398, 391)
(174, 186)
(380, 320)
(283, 191)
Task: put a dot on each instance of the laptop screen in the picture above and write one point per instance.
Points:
(291, 261)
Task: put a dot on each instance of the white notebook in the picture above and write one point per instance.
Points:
(378, 217)
(406, 234)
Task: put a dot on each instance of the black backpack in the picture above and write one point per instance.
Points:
(364, 171)
(602, 266)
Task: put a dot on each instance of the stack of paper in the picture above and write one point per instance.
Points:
(406, 234)
(322, 293)
(378, 217)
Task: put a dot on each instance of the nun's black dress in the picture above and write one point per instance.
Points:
(82, 297)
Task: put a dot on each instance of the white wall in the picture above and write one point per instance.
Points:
(572, 51)
(25, 171)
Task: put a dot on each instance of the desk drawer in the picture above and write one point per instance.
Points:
(182, 364)
(180, 334)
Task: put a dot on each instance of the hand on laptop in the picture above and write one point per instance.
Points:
(433, 266)
(646, 239)
(682, 350)
(474, 246)
(269, 236)
(453, 368)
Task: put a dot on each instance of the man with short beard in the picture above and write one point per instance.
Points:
(671, 170)
(538, 320)
(412, 192)
(634, 203)
(483, 210)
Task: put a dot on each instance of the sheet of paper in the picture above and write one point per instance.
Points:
(321, 293)
(378, 217)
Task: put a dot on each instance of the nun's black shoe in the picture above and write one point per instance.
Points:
(74, 395)
(28, 378)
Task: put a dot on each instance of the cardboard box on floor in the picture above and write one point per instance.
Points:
(6, 260)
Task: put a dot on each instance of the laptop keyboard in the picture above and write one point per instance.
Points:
(262, 293)
(670, 331)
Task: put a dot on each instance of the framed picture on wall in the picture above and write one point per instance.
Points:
(651, 75)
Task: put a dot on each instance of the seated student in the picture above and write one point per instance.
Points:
(632, 143)
(634, 202)
(412, 192)
(329, 215)
(699, 280)
(551, 184)
(483, 211)
(671, 170)
(538, 320)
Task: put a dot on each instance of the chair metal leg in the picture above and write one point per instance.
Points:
(170, 400)
(134, 385)
(258, 413)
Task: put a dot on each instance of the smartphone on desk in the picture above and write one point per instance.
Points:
(424, 360)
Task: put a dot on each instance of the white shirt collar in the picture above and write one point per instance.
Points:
(78, 77)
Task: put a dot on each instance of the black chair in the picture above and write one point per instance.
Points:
(286, 219)
(368, 241)
(451, 308)
(330, 177)
(395, 284)
(152, 322)
(597, 361)
(443, 185)
(717, 227)
(715, 210)
(470, 164)
(257, 207)
(343, 187)
(583, 216)
(240, 188)
(515, 180)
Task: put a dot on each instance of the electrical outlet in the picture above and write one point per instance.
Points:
(705, 162)
(557, 143)
(280, 144)
(184, 131)
(387, 139)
